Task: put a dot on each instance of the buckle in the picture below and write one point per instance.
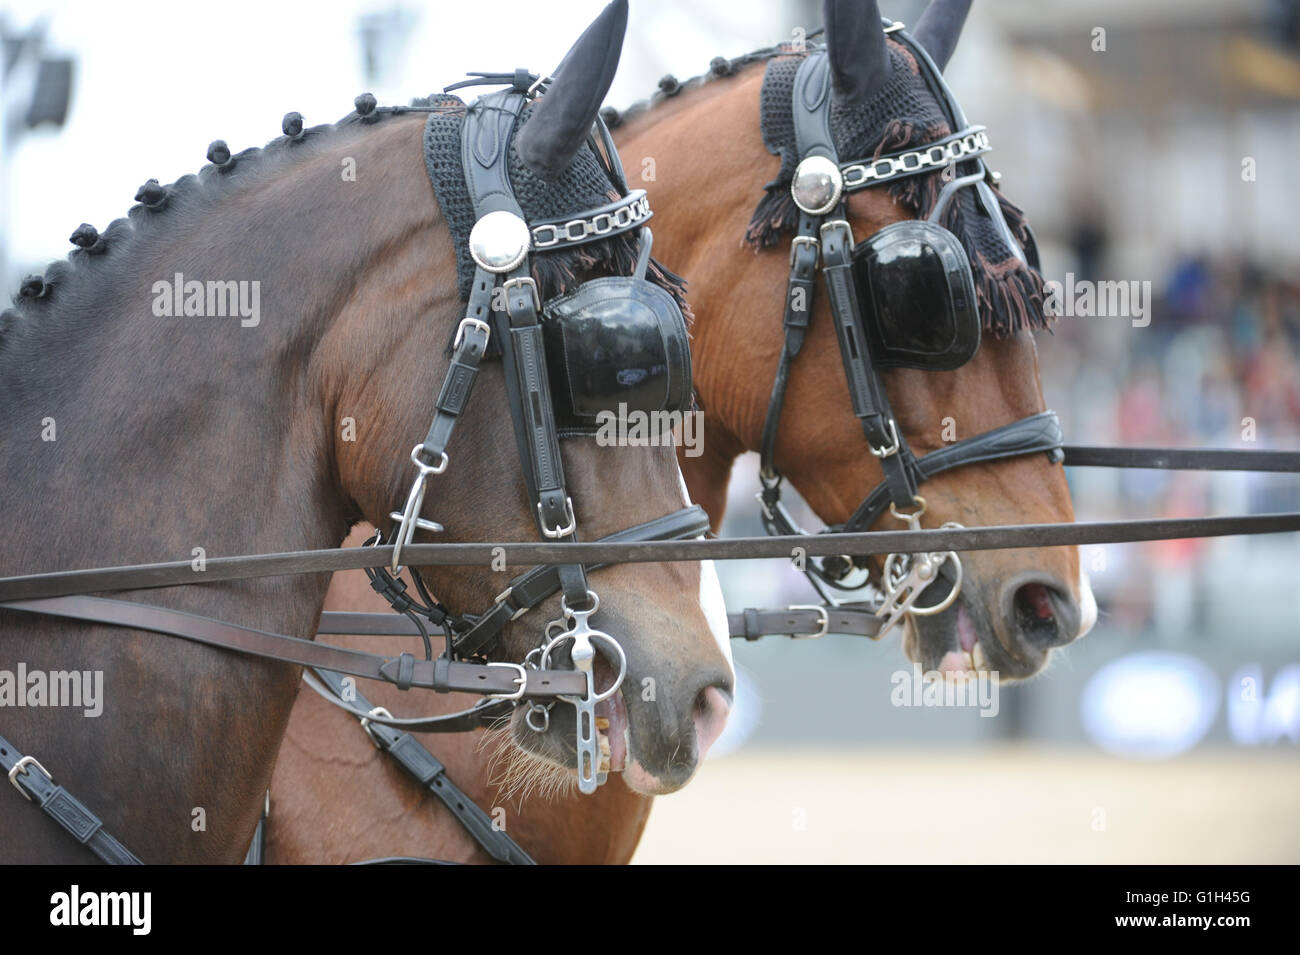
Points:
(521, 681)
(823, 621)
(532, 287)
(555, 533)
(460, 333)
(365, 725)
(803, 240)
(20, 767)
(889, 450)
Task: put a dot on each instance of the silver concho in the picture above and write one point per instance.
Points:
(499, 241)
(817, 185)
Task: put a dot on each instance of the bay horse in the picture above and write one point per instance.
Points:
(333, 795)
(135, 431)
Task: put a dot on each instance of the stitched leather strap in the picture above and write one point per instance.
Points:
(425, 768)
(866, 390)
(67, 810)
(471, 343)
(1040, 432)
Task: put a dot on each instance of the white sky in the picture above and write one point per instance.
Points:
(157, 81)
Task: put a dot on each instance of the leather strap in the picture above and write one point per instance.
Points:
(800, 286)
(471, 343)
(1040, 432)
(31, 779)
(481, 715)
(425, 768)
(530, 588)
(404, 671)
(866, 390)
(485, 139)
(810, 103)
(805, 622)
(749, 624)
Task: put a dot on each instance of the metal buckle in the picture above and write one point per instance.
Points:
(365, 725)
(555, 533)
(521, 681)
(460, 335)
(532, 287)
(21, 767)
(823, 619)
(888, 450)
(803, 240)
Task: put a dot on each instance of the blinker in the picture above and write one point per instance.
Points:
(916, 297)
(617, 343)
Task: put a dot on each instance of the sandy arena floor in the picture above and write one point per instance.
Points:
(1011, 804)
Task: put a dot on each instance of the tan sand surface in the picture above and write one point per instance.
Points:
(1013, 803)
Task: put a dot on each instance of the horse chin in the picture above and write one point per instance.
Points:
(963, 640)
(546, 763)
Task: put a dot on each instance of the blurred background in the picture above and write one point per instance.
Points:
(1150, 142)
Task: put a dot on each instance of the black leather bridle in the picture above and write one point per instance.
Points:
(820, 187)
(486, 135)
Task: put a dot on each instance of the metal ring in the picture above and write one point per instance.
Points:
(428, 468)
(918, 500)
(947, 601)
(591, 595)
(546, 717)
(593, 635)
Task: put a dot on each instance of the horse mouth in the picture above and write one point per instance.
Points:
(613, 733)
(962, 640)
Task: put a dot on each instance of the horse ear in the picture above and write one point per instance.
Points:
(562, 118)
(939, 28)
(855, 41)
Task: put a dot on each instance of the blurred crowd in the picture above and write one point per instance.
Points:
(1216, 367)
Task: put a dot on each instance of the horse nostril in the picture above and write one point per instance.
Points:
(712, 706)
(1039, 613)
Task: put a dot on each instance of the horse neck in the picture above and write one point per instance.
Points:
(171, 434)
(146, 434)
